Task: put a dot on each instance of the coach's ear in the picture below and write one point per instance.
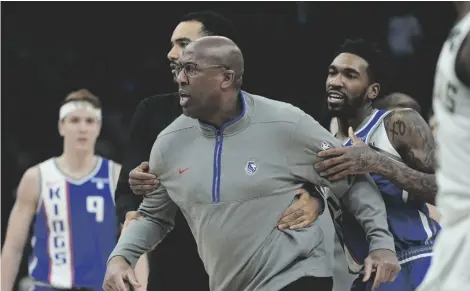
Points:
(60, 127)
(228, 79)
(373, 91)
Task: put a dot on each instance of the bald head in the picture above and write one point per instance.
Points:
(218, 50)
(397, 100)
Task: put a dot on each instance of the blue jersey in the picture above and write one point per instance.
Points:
(413, 229)
(75, 228)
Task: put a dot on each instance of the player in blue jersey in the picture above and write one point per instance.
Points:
(397, 148)
(69, 201)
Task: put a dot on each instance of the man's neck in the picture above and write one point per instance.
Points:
(230, 108)
(353, 121)
(77, 164)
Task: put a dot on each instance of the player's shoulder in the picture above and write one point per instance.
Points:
(405, 115)
(110, 162)
(32, 176)
(269, 110)
(29, 188)
(50, 162)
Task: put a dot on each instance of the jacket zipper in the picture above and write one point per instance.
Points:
(219, 141)
(216, 168)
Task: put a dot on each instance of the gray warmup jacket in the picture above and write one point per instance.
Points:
(234, 183)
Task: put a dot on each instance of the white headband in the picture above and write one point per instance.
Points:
(72, 106)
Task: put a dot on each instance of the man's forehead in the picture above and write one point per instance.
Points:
(350, 61)
(187, 31)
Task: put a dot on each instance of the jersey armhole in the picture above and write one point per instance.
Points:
(40, 188)
(377, 127)
(111, 177)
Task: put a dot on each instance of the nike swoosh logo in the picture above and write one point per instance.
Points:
(182, 171)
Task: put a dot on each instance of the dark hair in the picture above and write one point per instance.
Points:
(379, 69)
(212, 24)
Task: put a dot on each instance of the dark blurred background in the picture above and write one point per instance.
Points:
(118, 51)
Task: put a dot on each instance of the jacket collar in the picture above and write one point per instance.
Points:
(233, 126)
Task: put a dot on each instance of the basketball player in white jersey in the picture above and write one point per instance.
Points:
(398, 100)
(397, 148)
(69, 200)
(450, 267)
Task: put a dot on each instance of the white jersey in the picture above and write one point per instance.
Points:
(75, 227)
(449, 268)
(413, 229)
(452, 109)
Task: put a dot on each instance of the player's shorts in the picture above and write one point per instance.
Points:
(411, 275)
(450, 266)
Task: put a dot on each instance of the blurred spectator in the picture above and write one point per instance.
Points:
(403, 34)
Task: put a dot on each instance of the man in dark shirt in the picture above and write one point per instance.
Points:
(175, 264)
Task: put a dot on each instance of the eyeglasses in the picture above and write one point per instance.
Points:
(191, 69)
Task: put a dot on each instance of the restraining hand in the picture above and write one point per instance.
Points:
(302, 213)
(142, 182)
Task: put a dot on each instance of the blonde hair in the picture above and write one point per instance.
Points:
(85, 96)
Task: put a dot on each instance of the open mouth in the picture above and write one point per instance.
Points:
(335, 97)
(184, 97)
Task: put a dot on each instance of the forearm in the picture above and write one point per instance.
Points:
(140, 236)
(11, 259)
(365, 203)
(158, 214)
(418, 184)
(142, 272)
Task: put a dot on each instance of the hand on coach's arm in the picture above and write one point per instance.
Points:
(119, 274)
(343, 161)
(303, 212)
(141, 182)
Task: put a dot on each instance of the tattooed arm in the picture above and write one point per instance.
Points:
(412, 138)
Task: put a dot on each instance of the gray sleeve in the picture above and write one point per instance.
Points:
(307, 139)
(158, 215)
(141, 235)
(365, 202)
(361, 197)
